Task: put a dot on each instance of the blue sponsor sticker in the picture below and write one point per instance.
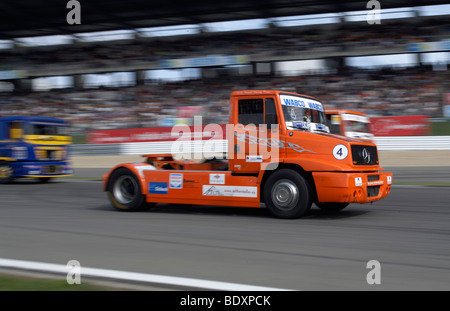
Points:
(157, 188)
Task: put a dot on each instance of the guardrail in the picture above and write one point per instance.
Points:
(220, 146)
(413, 143)
(93, 150)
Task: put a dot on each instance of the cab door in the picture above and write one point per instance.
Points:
(256, 134)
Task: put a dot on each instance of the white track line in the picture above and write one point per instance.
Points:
(133, 276)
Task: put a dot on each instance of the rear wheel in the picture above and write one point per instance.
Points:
(44, 180)
(6, 173)
(332, 206)
(287, 194)
(124, 191)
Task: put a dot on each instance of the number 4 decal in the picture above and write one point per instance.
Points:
(340, 152)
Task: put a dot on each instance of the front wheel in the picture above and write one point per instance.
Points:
(287, 194)
(331, 206)
(6, 173)
(124, 191)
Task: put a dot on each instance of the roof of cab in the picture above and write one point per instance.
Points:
(340, 111)
(31, 118)
(268, 92)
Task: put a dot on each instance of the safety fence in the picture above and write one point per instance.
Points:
(213, 147)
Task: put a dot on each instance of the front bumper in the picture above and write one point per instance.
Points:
(352, 187)
(41, 169)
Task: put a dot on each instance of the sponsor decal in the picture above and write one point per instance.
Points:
(389, 180)
(217, 179)
(358, 181)
(302, 102)
(230, 191)
(189, 183)
(176, 181)
(157, 187)
(257, 158)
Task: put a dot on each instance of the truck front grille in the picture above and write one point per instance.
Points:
(372, 191)
(373, 177)
(46, 154)
(364, 155)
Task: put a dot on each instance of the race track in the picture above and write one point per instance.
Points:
(408, 233)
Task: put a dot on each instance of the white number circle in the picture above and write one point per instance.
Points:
(340, 152)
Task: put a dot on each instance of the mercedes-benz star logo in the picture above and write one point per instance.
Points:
(366, 156)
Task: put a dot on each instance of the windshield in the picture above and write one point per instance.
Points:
(356, 123)
(46, 129)
(303, 113)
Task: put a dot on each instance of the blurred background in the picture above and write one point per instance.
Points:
(134, 64)
(132, 69)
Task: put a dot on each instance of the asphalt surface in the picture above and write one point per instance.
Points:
(408, 233)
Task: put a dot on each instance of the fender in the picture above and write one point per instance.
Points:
(136, 168)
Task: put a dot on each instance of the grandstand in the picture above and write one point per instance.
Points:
(263, 57)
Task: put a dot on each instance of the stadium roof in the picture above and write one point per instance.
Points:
(28, 18)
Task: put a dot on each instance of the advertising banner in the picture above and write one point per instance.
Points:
(135, 135)
(400, 126)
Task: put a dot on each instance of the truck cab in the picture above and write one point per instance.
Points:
(279, 155)
(35, 147)
(349, 123)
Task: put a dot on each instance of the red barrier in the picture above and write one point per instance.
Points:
(135, 135)
(401, 126)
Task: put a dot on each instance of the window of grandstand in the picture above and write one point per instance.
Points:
(6, 87)
(169, 31)
(433, 10)
(293, 68)
(173, 74)
(359, 16)
(6, 44)
(439, 60)
(113, 35)
(380, 61)
(236, 25)
(304, 20)
(44, 40)
(114, 79)
(49, 83)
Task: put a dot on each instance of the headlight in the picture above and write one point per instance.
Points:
(19, 153)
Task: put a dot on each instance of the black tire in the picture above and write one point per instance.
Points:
(287, 194)
(332, 206)
(6, 173)
(44, 180)
(124, 191)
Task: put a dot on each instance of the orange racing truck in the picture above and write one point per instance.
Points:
(279, 153)
(353, 124)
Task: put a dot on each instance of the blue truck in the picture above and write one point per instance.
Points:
(35, 147)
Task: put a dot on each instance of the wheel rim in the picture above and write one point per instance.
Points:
(5, 172)
(125, 189)
(285, 194)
